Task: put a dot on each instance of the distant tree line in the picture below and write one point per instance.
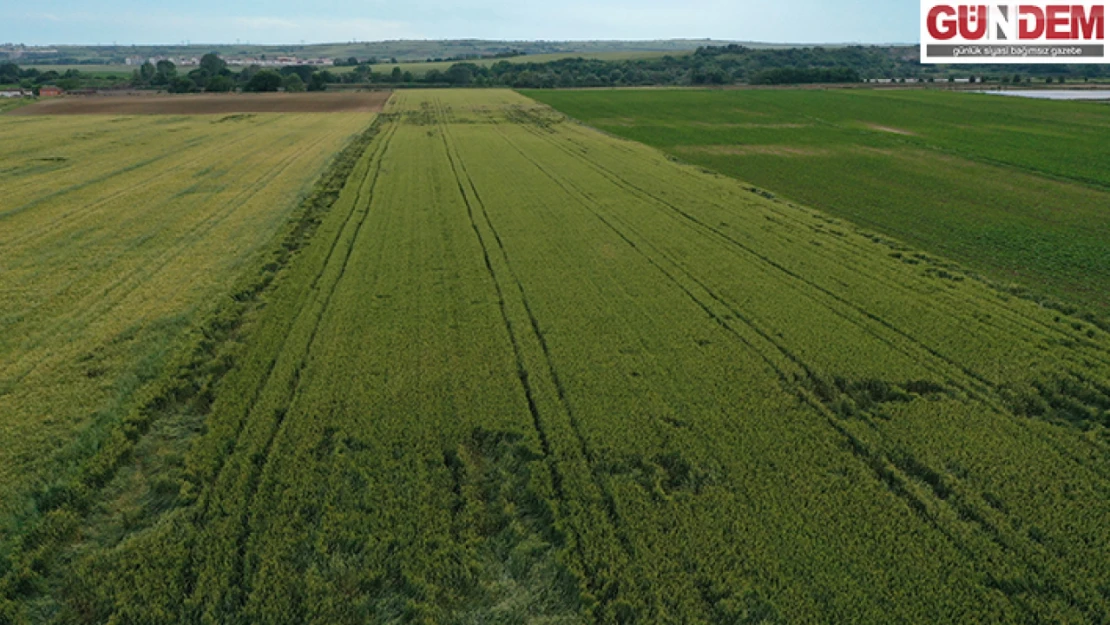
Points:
(711, 65)
(354, 62)
(214, 75)
(32, 78)
(734, 64)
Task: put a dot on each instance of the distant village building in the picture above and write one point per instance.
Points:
(180, 61)
(50, 91)
(280, 61)
(14, 94)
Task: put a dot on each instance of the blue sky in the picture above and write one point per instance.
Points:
(44, 22)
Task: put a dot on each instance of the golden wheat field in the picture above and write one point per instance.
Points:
(115, 233)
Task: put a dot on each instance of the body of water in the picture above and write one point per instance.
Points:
(1057, 94)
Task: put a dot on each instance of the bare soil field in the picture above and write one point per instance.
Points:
(210, 104)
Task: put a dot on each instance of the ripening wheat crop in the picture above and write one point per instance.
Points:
(116, 234)
(527, 372)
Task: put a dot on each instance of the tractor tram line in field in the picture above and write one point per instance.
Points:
(285, 367)
(884, 474)
(362, 207)
(809, 288)
(792, 381)
(981, 387)
(803, 380)
(561, 461)
(802, 372)
(720, 318)
(96, 346)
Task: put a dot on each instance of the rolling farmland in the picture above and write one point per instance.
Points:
(116, 236)
(1015, 190)
(526, 372)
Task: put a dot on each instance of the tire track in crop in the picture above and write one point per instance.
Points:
(265, 458)
(878, 462)
(620, 182)
(257, 464)
(367, 185)
(894, 475)
(265, 378)
(581, 198)
(463, 176)
(1013, 314)
(522, 370)
(991, 397)
(600, 584)
(979, 388)
(523, 374)
(984, 389)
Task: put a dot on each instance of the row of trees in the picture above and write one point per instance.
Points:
(214, 75)
(686, 70)
(354, 62)
(32, 78)
(718, 65)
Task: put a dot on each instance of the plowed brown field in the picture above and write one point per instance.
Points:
(210, 104)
